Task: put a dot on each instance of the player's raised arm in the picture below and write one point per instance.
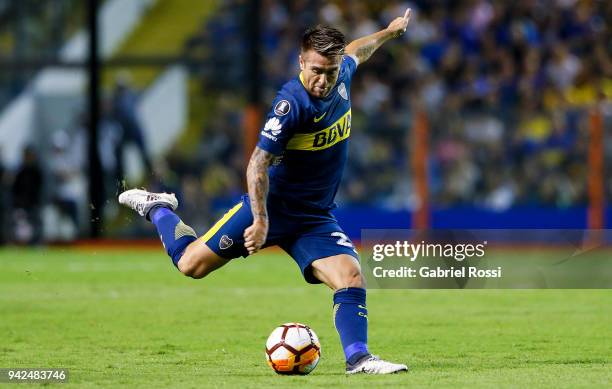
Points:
(258, 183)
(363, 48)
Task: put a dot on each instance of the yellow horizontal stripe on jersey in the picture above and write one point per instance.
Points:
(325, 138)
(214, 229)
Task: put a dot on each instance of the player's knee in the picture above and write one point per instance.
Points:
(195, 272)
(193, 266)
(352, 278)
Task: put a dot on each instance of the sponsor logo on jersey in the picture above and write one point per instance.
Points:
(226, 242)
(325, 138)
(282, 108)
(318, 119)
(272, 128)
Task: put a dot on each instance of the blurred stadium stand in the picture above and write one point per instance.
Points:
(507, 89)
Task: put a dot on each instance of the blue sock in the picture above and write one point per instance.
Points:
(351, 320)
(174, 234)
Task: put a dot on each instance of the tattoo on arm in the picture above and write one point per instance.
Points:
(258, 183)
(364, 47)
(364, 52)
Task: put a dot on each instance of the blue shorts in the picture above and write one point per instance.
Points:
(305, 236)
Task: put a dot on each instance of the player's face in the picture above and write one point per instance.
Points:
(320, 73)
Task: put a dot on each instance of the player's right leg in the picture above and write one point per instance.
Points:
(199, 260)
(189, 254)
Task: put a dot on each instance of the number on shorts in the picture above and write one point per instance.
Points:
(344, 240)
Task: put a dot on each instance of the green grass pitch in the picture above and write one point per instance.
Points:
(128, 318)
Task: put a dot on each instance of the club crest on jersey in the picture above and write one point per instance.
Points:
(282, 108)
(272, 128)
(342, 91)
(226, 242)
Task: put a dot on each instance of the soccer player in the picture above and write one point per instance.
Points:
(293, 176)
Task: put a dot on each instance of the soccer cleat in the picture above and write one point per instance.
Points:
(371, 364)
(142, 201)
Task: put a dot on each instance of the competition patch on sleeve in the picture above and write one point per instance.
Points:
(282, 108)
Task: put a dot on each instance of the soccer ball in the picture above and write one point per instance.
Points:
(293, 348)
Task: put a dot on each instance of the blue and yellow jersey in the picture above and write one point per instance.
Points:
(309, 136)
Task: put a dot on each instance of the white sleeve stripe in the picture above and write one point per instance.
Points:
(354, 59)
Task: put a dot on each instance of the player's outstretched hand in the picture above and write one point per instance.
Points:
(398, 26)
(255, 236)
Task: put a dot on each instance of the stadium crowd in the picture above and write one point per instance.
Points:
(507, 87)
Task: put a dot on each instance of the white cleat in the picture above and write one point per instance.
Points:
(142, 201)
(374, 365)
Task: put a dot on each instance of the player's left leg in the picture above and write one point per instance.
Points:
(342, 273)
(339, 272)
(326, 255)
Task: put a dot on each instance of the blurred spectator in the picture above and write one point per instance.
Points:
(125, 102)
(563, 67)
(110, 138)
(26, 196)
(66, 165)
